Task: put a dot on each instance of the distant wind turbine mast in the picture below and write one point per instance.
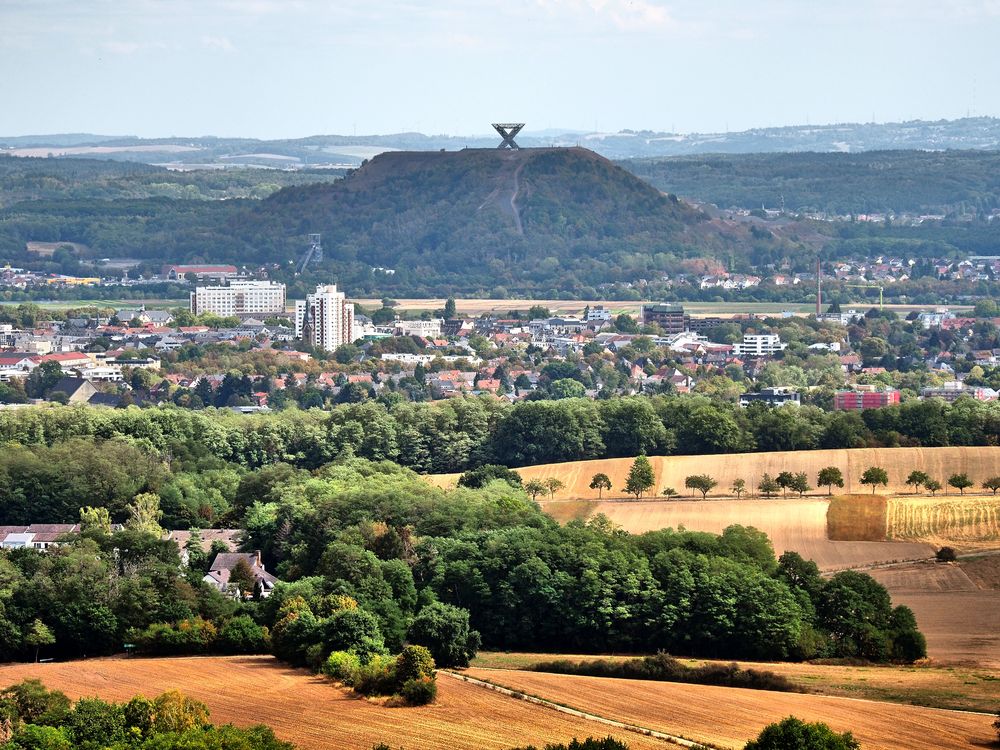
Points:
(507, 131)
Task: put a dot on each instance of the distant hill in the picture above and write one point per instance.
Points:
(966, 133)
(916, 182)
(478, 220)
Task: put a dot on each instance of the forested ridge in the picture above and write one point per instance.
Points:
(869, 182)
(197, 460)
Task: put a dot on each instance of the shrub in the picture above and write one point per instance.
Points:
(946, 554)
(377, 677)
(419, 692)
(241, 635)
(794, 734)
(414, 663)
(665, 668)
(342, 666)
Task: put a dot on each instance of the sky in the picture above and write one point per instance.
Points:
(293, 68)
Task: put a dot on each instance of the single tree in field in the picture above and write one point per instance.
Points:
(739, 487)
(800, 483)
(933, 485)
(830, 476)
(640, 477)
(960, 482)
(701, 482)
(600, 482)
(534, 487)
(875, 475)
(552, 486)
(768, 486)
(785, 480)
(918, 479)
(39, 635)
(794, 734)
(992, 484)
(669, 492)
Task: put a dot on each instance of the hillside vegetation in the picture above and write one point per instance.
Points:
(474, 220)
(870, 182)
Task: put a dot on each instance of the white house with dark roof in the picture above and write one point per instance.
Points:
(222, 567)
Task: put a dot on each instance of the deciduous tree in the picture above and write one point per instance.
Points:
(701, 482)
(830, 476)
(875, 475)
(600, 482)
(640, 477)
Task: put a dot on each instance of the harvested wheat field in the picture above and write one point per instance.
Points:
(968, 522)
(796, 525)
(956, 612)
(730, 716)
(312, 713)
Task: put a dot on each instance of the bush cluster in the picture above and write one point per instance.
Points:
(409, 676)
(665, 668)
(238, 635)
(34, 718)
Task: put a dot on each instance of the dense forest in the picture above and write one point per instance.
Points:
(67, 179)
(915, 182)
(55, 456)
(373, 557)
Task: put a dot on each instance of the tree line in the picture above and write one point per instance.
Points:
(462, 433)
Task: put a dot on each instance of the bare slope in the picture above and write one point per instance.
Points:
(730, 716)
(312, 713)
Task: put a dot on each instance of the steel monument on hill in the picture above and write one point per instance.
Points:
(507, 131)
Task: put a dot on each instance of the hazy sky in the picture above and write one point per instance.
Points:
(288, 68)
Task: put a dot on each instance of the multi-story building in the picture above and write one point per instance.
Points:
(670, 318)
(859, 400)
(325, 319)
(778, 396)
(759, 345)
(200, 272)
(425, 328)
(240, 299)
(954, 390)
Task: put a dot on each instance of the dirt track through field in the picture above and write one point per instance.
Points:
(730, 716)
(312, 713)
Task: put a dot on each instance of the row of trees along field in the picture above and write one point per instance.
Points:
(373, 557)
(641, 479)
(466, 432)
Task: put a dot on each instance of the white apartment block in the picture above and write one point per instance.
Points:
(759, 345)
(240, 298)
(325, 319)
(429, 329)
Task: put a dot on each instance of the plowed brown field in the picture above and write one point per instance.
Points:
(312, 713)
(730, 716)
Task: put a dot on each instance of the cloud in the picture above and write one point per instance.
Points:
(624, 15)
(220, 43)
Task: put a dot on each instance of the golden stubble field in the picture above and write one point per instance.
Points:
(728, 717)
(314, 714)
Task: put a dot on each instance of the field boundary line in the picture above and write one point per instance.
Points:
(517, 694)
